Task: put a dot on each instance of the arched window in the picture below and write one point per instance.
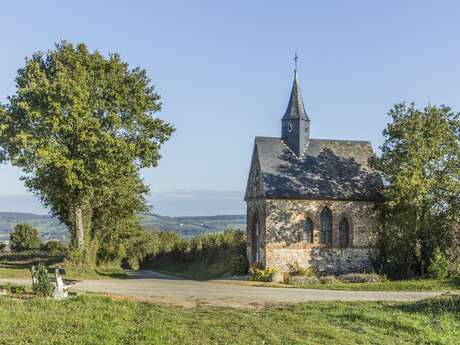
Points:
(326, 226)
(344, 233)
(308, 231)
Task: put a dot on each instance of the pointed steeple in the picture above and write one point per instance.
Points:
(295, 108)
(295, 124)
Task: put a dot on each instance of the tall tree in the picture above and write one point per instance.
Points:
(79, 123)
(420, 166)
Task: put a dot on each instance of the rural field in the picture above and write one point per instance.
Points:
(99, 320)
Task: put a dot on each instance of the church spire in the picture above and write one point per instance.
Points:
(295, 122)
(295, 108)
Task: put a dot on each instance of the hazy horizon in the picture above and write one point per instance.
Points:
(172, 203)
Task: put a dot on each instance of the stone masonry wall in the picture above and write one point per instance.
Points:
(256, 213)
(282, 242)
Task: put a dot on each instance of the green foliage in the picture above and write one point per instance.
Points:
(303, 280)
(442, 305)
(80, 126)
(147, 245)
(2, 247)
(239, 265)
(419, 165)
(439, 265)
(54, 248)
(262, 274)
(24, 237)
(298, 270)
(14, 289)
(362, 278)
(204, 256)
(42, 286)
(328, 280)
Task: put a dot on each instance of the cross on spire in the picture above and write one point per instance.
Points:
(295, 61)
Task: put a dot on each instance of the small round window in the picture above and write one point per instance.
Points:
(289, 127)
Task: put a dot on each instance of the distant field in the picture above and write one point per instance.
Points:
(51, 228)
(97, 320)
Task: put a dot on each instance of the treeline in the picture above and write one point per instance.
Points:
(204, 256)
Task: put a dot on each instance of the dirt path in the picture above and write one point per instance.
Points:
(156, 287)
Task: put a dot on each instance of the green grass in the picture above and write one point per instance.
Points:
(71, 273)
(98, 320)
(18, 266)
(14, 272)
(395, 285)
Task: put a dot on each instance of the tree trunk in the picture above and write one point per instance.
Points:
(79, 231)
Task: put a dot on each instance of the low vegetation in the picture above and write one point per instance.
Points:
(388, 285)
(17, 265)
(202, 257)
(92, 319)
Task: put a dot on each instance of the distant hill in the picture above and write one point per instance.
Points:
(51, 228)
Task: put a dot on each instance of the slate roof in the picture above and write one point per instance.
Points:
(327, 169)
(295, 108)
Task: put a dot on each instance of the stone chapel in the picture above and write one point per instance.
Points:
(310, 201)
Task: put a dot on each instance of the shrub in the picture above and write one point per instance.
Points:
(439, 265)
(2, 247)
(15, 289)
(239, 265)
(303, 280)
(296, 269)
(54, 248)
(42, 286)
(262, 275)
(24, 237)
(328, 280)
(361, 278)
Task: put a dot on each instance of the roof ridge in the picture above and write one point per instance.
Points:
(343, 140)
(265, 137)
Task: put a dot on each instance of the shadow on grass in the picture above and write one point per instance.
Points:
(446, 303)
(454, 281)
(109, 274)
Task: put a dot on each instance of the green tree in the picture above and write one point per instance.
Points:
(420, 167)
(24, 237)
(54, 248)
(117, 218)
(78, 124)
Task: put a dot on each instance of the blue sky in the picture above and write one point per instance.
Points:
(224, 71)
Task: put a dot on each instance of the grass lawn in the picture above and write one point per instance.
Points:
(71, 273)
(99, 320)
(18, 266)
(394, 285)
